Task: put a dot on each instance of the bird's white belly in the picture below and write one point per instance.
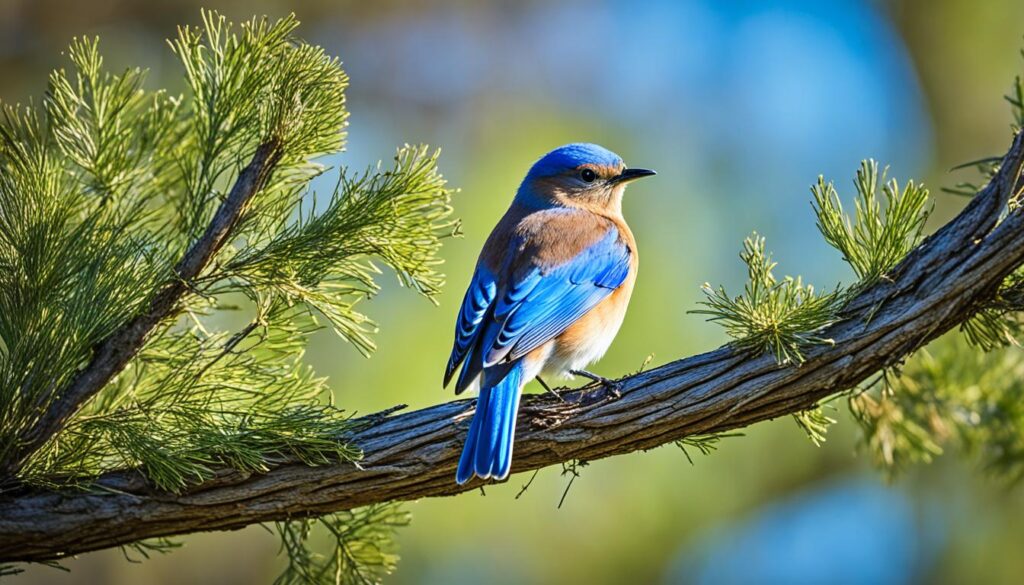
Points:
(579, 351)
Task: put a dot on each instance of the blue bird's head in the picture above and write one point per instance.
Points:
(579, 175)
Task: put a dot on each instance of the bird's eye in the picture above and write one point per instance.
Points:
(588, 175)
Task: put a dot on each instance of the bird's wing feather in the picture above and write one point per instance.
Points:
(479, 297)
(542, 302)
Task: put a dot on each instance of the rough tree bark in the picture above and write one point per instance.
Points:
(414, 455)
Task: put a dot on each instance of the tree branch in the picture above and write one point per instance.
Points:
(414, 455)
(114, 352)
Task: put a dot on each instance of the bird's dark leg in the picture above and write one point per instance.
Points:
(612, 386)
(548, 388)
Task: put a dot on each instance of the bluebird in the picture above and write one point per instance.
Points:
(548, 295)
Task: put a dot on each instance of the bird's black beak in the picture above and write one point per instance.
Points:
(632, 175)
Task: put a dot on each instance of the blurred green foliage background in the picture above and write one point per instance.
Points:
(739, 105)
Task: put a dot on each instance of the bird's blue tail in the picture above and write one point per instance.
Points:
(488, 449)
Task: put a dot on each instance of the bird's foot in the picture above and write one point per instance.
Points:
(548, 388)
(613, 387)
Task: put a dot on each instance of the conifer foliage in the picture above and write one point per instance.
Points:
(963, 390)
(133, 214)
(137, 225)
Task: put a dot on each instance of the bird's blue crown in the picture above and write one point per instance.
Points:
(572, 156)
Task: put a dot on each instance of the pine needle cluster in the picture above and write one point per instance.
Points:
(877, 237)
(786, 318)
(771, 316)
(106, 184)
(963, 390)
(361, 545)
(948, 395)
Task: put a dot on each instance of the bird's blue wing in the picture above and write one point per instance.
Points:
(542, 303)
(475, 306)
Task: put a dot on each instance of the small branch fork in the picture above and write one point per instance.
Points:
(414, 454)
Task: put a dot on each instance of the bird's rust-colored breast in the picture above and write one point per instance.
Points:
(545, 238)
(589, 337)
(549, 238)
(616, 302)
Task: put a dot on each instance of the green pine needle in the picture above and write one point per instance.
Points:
(1016, 100)
(781, 318)
(950, 394)
(998, 323)
(324, 259)
(815, 423)
(878, 237)
(103, 189)
(360, 546)
(704, 444)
